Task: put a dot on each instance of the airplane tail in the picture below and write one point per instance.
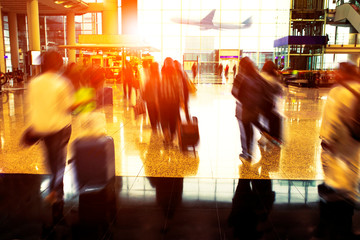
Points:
(209, 18)
(247, 23)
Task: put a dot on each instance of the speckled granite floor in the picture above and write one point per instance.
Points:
(139, 152)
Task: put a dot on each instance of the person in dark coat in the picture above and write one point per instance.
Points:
(151, 95)
(170, 94)
(128, 80)
(184, 79)
(248, 105)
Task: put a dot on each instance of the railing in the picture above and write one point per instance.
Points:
(341, 2)
(344, 39)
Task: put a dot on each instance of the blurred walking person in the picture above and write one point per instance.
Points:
(50, 102)
(269, 111)
(227, 71)
(340, 141)
(128, 80)
(151, 92)
(234, 71)
(170, 95)
(248, 104)
(194, 70)
(184, 78)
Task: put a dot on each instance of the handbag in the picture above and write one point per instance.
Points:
(139, 107)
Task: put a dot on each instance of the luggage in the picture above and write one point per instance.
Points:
(94, 160)
(97, 203)
(139, 107)
(105, 96)
(108, 96)
(189, 134)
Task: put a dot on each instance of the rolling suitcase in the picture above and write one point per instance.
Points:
(94, 159)
(104, 96)
(97, 203)
(108, 96)
(189, 134)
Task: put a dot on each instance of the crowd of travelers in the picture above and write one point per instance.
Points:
(53, 99)
(165, 91)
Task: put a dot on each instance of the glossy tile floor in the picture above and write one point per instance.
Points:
(217, 154)
(162, 193)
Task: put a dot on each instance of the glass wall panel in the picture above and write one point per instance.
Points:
(174, 26)
(211, 4)
(250, 5)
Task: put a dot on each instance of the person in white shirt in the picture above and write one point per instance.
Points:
(50, 102)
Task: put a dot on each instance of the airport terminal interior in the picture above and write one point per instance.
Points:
(161, 191)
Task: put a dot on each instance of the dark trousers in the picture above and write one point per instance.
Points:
(153, 114)
(169, 117)
(56, 149)
(127, 87)
(248, 118)
(246, 137)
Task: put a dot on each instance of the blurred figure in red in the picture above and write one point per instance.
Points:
(340, 141)
(234, 71)
(50, 102)
(170, 96)
(227, 71)
(151, 94)
(194, 70)
(128, 80)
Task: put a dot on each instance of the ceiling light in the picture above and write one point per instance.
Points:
(58, 1)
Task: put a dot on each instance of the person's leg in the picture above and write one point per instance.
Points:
(129, 89)
(243, 139)
(56, 147)
(186, 110)
(164, 122)
(249, 137)
(152, 114)
(174, 116)
(125, 89)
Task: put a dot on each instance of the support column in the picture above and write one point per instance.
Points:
(70, 36)
(14, 45)
(2, 48)
(34, 30)
(110, 17)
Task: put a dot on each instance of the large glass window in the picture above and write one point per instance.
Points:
(7, 44)
(178, 28)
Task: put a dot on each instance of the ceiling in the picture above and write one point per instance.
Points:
(46, 7)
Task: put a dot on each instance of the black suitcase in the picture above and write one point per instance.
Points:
(97, 203)
(189, 134)
(94, 159)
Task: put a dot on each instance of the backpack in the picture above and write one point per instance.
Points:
(354, 123)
